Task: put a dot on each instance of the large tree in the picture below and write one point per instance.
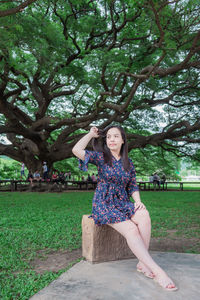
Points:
(67, 65)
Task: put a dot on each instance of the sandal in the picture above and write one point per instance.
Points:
(167, 288)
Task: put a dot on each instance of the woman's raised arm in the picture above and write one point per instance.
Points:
(79, 149)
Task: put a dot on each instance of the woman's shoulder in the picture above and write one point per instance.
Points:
(131, 163)
(130, 160)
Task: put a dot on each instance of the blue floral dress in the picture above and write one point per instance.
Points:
(111, 203)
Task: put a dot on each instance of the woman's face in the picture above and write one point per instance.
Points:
(114, 140)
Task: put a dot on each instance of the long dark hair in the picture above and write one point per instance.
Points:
(100, 145)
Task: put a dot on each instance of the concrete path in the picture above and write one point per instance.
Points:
(118, 280)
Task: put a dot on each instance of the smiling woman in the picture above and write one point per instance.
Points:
(114, 142)
(111, 204)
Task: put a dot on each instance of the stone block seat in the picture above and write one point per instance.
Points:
(102, 243)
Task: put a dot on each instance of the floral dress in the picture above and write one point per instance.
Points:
(111, 203)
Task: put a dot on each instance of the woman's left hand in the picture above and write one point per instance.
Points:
(139, 205)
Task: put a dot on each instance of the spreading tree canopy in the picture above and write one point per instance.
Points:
(67, 65)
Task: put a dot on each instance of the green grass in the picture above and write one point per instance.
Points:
(31, 221)
(174, 211)
(186, 186)
(191, 186)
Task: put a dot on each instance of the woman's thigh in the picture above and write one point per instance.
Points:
(125, 227)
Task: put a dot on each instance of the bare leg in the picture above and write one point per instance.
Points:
(142, 219)
(134, 240)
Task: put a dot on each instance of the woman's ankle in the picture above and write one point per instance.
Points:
(157, 270)
(160, 272)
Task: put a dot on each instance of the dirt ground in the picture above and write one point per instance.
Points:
(57, 260)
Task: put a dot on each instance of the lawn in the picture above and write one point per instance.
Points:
(31, 222)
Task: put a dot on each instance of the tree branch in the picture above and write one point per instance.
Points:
(17, 9)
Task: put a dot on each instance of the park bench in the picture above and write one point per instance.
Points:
(24, 185)
(150, 186)
(13, 185)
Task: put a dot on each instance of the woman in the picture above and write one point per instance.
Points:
(54, 177)
(111, 204)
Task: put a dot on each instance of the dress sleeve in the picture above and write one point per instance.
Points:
(90, 157)
(132, 185)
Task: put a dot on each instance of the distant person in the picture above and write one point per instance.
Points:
(89, 178)
(30, 178)
(22, 170)
(151, 178)
(45, 171)
(94, 179)
(61, 177)
(36, 176)
(54, 177)
(163, 179)
(156, 180)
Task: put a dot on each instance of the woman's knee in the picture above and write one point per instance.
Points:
(132, 231)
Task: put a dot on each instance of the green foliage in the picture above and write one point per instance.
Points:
(9, 169)
(59, 60)
(153, 159)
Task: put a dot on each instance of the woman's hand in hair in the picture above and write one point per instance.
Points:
(79, 148)
(94, 132)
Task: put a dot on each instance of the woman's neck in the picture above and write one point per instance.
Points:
(116, 154)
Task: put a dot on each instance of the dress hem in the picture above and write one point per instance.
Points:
(107, 223)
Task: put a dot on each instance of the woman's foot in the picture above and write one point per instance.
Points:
(165, 282)
(146, 271)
